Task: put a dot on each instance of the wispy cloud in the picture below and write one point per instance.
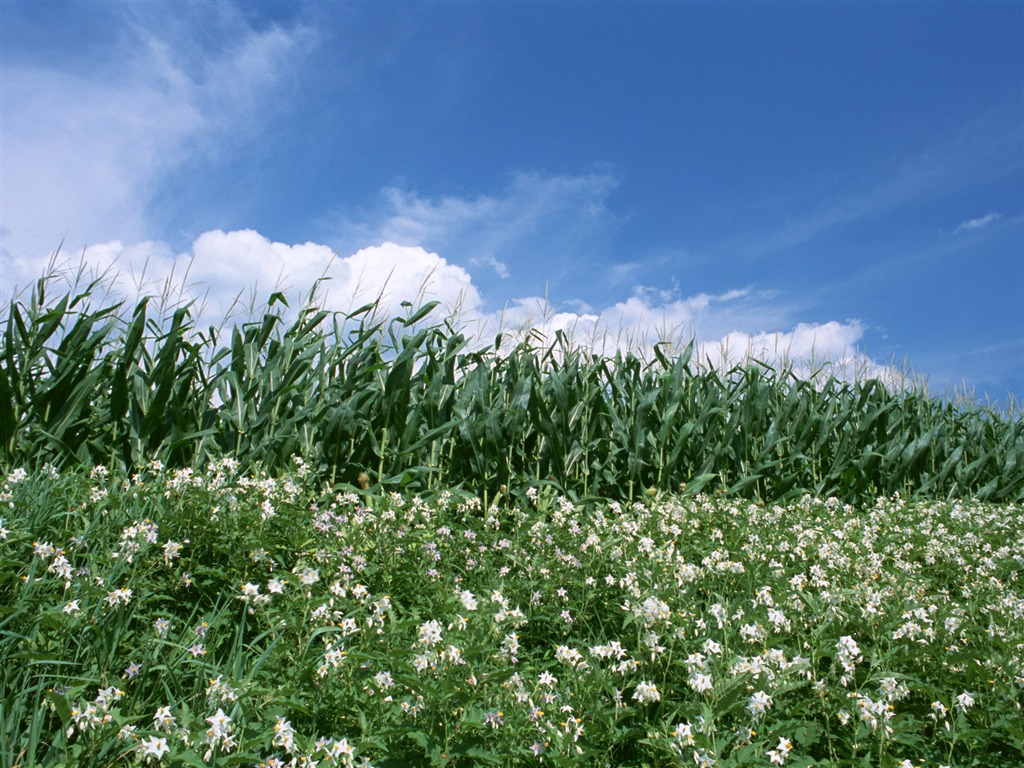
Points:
(500, 268)
(86, 149)
(513, 231)
(983, 149)
(979, 223)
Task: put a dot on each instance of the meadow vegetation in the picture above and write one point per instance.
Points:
(354, 540)
(218, 618)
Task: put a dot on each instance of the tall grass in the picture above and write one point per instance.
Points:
(412, 403)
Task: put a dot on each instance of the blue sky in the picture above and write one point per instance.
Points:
(838, 179)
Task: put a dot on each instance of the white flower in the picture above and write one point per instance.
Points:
(156, 747)
(218, 691)
(778, 620)
(284, 734)
(122, 596)
(651, 610)
(849, 654)
(510, 647)
(341, 747)
(778, 755)
(334, 657)
(701, 683)
(964, 701)
(683, 733)
(697, 661)
(107, 696)
(43, 550)
(307, 576)
(752, 633)
(569, 655)
(61, 567)
(430, 633)
(172, 550)
(250, 591)
(646, 693)
(163, 720)
(546, 678)
(759, 703)
(219, 724)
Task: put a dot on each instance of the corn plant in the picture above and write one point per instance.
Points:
(412, 403)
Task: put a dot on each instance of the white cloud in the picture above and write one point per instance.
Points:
(399, 274)
(807, 343)
(979, 223)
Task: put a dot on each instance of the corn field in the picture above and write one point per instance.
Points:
(411, 404)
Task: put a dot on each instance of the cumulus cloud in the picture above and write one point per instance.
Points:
(650, 317)
(978, 223)
(399, 274)
(229, 272)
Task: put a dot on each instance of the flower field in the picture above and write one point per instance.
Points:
(221, 616)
